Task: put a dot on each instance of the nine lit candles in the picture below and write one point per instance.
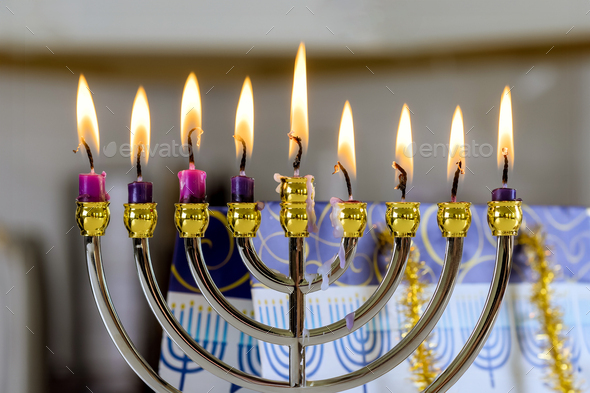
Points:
(193, 181)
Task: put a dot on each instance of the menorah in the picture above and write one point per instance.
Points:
(403, 218)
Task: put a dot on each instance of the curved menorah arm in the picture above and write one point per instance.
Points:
(375, 303)
(281, 283)
(181, 338)
(412, 340)
(270, 278)
(484, 325)
(113, 324)
(222, 306)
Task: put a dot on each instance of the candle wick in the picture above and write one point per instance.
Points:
(88, 152)
(297, 162)
(139, 149)
(244, 153)
(403, 180)
(505, 171)
(458, 172)
(191, 156)
(339, 167)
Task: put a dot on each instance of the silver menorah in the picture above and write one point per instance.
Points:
(244, 219)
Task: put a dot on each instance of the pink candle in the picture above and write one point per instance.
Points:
(192, 185)
(91, 187)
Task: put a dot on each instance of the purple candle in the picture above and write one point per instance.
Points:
(192, 185)
(242, 189)
(140, 192)
(91, 187)
(504, 194)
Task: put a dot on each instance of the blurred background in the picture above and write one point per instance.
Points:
(379, 55)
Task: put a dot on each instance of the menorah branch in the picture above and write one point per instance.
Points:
(223, 307)
(270, 278)
(179, 335)
(112, 323)
(408, 344)
(375, 303)
(484, 325)
(281, 283)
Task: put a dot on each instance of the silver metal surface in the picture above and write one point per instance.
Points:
(106, 309)
(408, 344)
(281, 283)
(297, 312)
(484, 325)
(270, 278)
(223, 307)
(375, 303)
(181, 338)
(294, 336)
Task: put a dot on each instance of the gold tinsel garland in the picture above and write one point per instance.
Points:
(422, 362)
(560, 373)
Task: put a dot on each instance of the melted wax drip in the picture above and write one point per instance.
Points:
(338, 229)
(349, 320)
(324, 270)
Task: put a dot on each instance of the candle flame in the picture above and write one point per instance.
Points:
(190, 109)
(140, 126)
(86, 115)
(505, 137)
(404, 149)
(299, 119)
(245, 119)
(456, 144)
(346, 150)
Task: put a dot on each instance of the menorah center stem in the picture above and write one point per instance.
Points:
(297, 312)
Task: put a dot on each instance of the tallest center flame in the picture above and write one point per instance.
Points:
(299, 119)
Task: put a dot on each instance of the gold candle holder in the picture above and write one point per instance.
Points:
(294, 215)
(140, 219)
(353, 218)
(454, 218)
(191, 219)
(243, 218)
(92, 217)
(504, 217)
(403, 218)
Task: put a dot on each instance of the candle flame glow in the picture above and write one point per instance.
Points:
(190, 109)
(456, 144)
(86, 115)
(245, 119)
(505, 137)
(404, 149)
(346, 150)
(299, 119)
(140, 126)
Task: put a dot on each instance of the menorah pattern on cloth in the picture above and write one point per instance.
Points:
(496, 351)
(503, 363)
